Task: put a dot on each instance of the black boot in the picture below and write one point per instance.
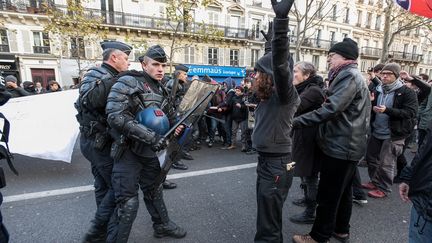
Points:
(169, 229)
(97, 233)
(179, 166)
(307, 216)
(301, 202)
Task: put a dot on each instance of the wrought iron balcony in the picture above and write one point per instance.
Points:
(162, 24)
(405, 56)
(316, 43)
(41, 49)
(4, 48)
(370, 51)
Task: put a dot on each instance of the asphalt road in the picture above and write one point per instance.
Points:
(213, 206)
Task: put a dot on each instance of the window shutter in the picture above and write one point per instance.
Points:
(241, 57)
(205, 55)
(26, 41)
(13, 43)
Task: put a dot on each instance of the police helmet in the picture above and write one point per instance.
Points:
(154, 119)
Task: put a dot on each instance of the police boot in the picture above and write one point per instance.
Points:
(126, 215)
(97, 233)
(169, 229)
(307, 216)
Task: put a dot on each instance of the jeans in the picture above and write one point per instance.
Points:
(420, 230)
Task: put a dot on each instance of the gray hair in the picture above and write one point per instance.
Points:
(307, 68)
(106, 54)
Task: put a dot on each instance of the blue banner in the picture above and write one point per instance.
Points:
(216, 71)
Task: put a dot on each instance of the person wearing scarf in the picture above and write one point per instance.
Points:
(309, 86)
(343, 122)
(393, 120)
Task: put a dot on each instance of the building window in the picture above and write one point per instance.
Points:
(368, 20)
(347, 12)
(315, 61)
(41, 43)
(411, 70)
(363, 66)
(332, 37)
(257, 3)
(256, 25)
(4, 43)
(254, 57)
(234, 57)
(213, 18)
(378, 22)
(77, 47)
(334, 10)
(359, 17)
(189, 54)
(213, 56)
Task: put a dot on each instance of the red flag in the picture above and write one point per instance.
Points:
(419, 7)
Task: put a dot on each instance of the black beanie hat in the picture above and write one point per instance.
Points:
(264, 64)
(347, 48)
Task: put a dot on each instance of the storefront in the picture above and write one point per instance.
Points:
(9, 66)
(218, 73)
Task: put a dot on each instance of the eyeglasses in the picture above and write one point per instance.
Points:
(387, 73)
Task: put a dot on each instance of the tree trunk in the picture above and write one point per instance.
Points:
(387, 33)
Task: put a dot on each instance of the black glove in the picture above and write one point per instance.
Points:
(160, 144)
(269, 35)
(282, 7)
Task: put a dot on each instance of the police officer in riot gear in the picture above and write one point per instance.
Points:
(135, 160)
(95, 141)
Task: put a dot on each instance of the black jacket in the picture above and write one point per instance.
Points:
(304, 140)
(273, 117)
(402, 116)
(238, 114)
(93, 94)
(418, 175)
(343, 118)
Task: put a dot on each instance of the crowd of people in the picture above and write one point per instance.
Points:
(28, 87)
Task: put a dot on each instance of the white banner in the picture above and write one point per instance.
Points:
(43, 126)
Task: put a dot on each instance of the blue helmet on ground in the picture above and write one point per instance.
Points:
(154, 119)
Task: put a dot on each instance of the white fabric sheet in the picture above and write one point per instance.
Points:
(43, 126)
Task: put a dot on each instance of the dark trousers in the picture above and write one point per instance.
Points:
(130, 173)
(101, 165)
(273, 183)
(334, 198)
(4, 234)
(228, 129)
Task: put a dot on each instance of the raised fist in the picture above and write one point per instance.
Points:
(282, 7)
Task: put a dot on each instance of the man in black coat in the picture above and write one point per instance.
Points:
(417, 186)
(342, 134)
